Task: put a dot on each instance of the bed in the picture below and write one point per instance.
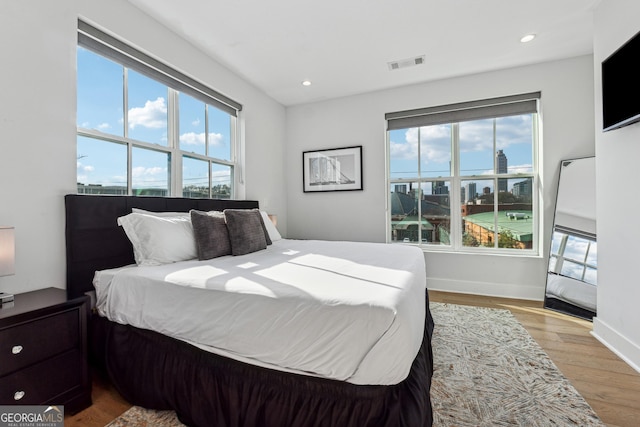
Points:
(219, 373)
(571, 296)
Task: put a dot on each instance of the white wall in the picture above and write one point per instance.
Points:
(37, 120)
(568, 116)
(617, 154)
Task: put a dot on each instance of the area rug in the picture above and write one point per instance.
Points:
(488, 371)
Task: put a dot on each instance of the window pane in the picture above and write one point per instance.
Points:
(436, 213)
(435, 151)
(219, 133)
(514, 136)
(221, 179)
(592, 256)
(421, 213)
(149, 172)
(591, 275)
(572, 269)
(478, 217)
(192, 125)
(101, 167)
(404, 212)
(147, 109)
(195, 178)
(403, 154)
(576, 248)
(476, 147)
(519, 191)
(556, 241)
(514, 220)
(100, 93)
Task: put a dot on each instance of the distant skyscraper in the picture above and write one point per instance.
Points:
(439, 187)
(470, 191)
(523, 188)
(501, 160)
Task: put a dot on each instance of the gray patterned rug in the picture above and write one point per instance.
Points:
(488, 371)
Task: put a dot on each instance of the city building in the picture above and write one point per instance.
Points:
(501, 162)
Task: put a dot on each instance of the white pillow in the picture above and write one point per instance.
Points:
(142, 211)
(274, 234)
(159, 240)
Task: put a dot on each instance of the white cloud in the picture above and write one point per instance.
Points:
(103, 126)
(192, 138)
(436, 144)
(84, 168)
(216, 139)
(83, 171)
(196, 122)
(153, 115)
(141, 171)
(520, 168)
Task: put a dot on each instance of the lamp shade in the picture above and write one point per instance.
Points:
(7, 251)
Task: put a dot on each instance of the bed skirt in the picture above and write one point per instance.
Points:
(205, 389)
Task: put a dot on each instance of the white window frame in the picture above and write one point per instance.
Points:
(559, 257)
(103, 44)
(468, 111)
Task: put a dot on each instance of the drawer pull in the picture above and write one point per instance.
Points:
(16, 349)
(18, 395)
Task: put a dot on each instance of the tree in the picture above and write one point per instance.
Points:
(506, 239)
(469, 240)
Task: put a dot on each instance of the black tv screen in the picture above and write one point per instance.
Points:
(621, 86)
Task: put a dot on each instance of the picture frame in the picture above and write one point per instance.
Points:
(335, 169)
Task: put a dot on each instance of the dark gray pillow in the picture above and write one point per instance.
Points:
(247, 232)
(211, 234)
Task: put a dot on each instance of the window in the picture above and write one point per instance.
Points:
(574, 255)
(464, 177)
(147, 129)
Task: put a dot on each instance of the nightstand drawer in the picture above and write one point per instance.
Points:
(28, 343)
(41, 383)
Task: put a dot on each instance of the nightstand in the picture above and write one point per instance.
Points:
(43, 351)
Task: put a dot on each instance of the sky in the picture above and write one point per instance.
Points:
(101, 107)
(477, 152)
(580, 250)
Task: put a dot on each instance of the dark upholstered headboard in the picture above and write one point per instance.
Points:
(96, 242)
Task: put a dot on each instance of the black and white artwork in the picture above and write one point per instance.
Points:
(335, 169)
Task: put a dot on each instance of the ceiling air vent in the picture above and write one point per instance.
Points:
(404, 63)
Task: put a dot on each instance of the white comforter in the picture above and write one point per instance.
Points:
(342, 310)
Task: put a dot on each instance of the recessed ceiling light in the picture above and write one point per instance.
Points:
(306, 83)
(527, 38)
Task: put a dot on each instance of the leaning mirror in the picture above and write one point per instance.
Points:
(572, 273)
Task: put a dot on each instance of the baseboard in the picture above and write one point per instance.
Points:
(503, 290)
(617, 343)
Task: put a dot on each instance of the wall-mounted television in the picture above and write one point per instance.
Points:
(621, 86)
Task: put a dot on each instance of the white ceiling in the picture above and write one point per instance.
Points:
(343, 46)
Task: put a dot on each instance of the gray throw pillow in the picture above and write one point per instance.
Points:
(211, 234)
(247, 232)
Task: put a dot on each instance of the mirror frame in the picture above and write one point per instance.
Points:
(581, 227)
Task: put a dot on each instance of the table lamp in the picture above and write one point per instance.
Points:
(7, 251)
(7, 260)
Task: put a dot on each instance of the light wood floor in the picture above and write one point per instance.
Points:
(609, 385)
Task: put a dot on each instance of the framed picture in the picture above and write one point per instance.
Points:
(336, 169)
